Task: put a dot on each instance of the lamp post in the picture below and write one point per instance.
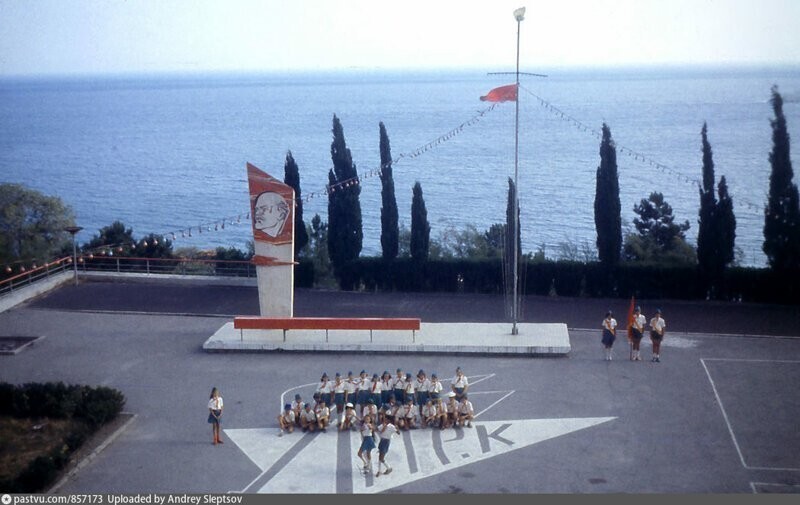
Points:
(73, 230)
(519, 15)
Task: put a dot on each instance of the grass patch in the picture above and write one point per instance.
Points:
(26, 439)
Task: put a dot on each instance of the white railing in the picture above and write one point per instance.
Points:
(22, 279)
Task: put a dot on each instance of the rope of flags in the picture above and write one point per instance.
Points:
(331, 188)
(631, 152)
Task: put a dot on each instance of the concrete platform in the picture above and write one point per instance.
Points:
(549, 339)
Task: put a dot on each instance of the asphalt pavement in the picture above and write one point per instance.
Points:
(716, 415)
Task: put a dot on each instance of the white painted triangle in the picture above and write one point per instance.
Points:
(311, 471)
(467, 449)
(262, 445)
(429, 452)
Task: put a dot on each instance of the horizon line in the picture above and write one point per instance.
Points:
(647, 66)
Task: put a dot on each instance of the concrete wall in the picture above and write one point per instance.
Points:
(25, 293)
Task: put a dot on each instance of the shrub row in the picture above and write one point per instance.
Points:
(92, 407)
(95, 406)
(303, 272)
(572, 279)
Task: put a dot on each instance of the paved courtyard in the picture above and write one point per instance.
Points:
(717, 415)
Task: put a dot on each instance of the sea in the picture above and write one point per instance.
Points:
(166, 153)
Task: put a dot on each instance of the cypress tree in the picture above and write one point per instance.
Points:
(420, 228)
(291, 177)
(717, 225)
(607, 208)
(345, 234)
(707, 232)
(508, 265)
(390, 228)
(782, 212)
(725, 223)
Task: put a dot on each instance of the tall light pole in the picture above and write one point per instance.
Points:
(519, 15)
(73, 230)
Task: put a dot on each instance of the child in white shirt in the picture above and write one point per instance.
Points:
(465, 412)
(429, 414)
(286, 419)
(385, 431)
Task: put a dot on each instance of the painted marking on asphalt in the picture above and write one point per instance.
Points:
(306, 463)
(725, 414)
(271, 464)
(782, 488)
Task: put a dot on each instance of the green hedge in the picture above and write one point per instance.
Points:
(570, 279)
(92, 406)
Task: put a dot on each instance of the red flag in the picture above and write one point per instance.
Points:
(630, 319)
(506, 93)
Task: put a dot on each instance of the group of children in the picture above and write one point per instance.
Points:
(657, 327)
(381, 406)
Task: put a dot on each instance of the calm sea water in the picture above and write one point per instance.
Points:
(165, 153)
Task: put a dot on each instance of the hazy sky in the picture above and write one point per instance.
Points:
(101, 36)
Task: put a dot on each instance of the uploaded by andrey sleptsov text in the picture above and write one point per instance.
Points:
(121, 499)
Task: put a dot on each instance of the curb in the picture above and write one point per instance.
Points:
(88, 459)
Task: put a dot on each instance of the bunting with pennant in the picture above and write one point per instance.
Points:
(631, 153)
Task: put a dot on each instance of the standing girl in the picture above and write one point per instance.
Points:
(434, 388)
(609, 333)
(385, 431)
(215, 413)
(350, 388)
(408, 393)
(367, 443)
(422, 388)
(386, 387)
(364, 391)
(399, 386)
(377, 389)
(325, 389)
(338, 396)
(657, 325)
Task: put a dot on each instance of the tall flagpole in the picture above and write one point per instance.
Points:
(519, 14)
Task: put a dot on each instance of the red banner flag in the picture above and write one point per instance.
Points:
(630, 318)
(506, 93)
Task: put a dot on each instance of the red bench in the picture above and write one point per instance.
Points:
(327, 323)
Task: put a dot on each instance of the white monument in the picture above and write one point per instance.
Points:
(272, 211)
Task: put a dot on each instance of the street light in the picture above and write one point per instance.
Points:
(73, 230)
(519, 15)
